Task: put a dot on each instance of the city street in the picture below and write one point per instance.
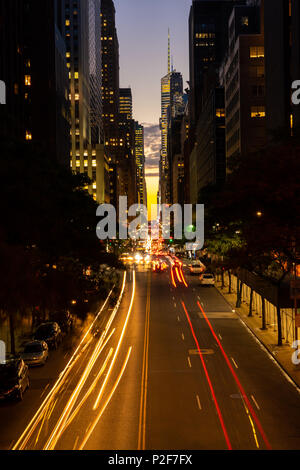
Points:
(172, 368)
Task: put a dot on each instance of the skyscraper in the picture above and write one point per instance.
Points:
(126, 102)
(282, 66)
(208, 44)
(244, 81)
(140, 163)
(110, 95)
(33, 66)
(110, 75)
(83, 38)
(208, 39)
(171, 101)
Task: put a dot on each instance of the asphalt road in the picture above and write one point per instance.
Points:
(172, 368)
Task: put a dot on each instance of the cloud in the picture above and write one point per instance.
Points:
(152, 148)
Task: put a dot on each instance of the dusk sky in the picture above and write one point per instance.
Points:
(143, 36)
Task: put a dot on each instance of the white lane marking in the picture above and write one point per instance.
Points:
(76, 442)
(182, 336)
(88, 428)
(255, 402)
(235, 364)
(45, 389)
(189, 361)
(198, 402)
(220, 336)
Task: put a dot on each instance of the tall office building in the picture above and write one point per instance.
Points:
(126, 103)
(171, 99)
(208, 44)
(244, 81)
(140, 164)
(110, 74)
(33, 66)
(208, 39)
(110, 95)
(282, 66)
(83, 40)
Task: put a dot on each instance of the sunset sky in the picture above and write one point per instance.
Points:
(143, 36)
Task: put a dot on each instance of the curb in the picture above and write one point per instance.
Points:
(263, 346)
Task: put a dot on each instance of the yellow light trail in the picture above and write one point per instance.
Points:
(91, 430)
(118, 347)
(91, 389)
(143, 401)
(24, 438)
(59, 428)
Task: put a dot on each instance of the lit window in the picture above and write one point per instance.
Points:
(67, 22)
(28, 135)
(94, 163)
(28, 80)
(76, 75)
(257, 52)
(245, 21)
(220, 112)
(258, 111)
(85, 163)
(78, 163)
(76, 96)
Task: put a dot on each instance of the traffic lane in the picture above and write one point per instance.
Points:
(274, 399)
(35, 435)
(237, 417)
(74, 413)
(176, 418)
(118, 426)
(16, 415)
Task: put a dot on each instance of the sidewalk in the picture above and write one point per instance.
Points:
(268, 338)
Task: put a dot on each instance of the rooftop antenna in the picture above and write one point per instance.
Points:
(169, 52)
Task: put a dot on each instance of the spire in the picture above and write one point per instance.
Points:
(169, 52)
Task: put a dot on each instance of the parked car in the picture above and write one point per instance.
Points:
(196, 267)
(50, 333)
(207, 279)
(35, 353)
(64, 320)
(14, 378)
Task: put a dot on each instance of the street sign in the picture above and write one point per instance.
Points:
(295, 289)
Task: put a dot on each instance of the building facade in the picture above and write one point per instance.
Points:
(244, 81)
(33, 66)
(282, 66)
(83, 41)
